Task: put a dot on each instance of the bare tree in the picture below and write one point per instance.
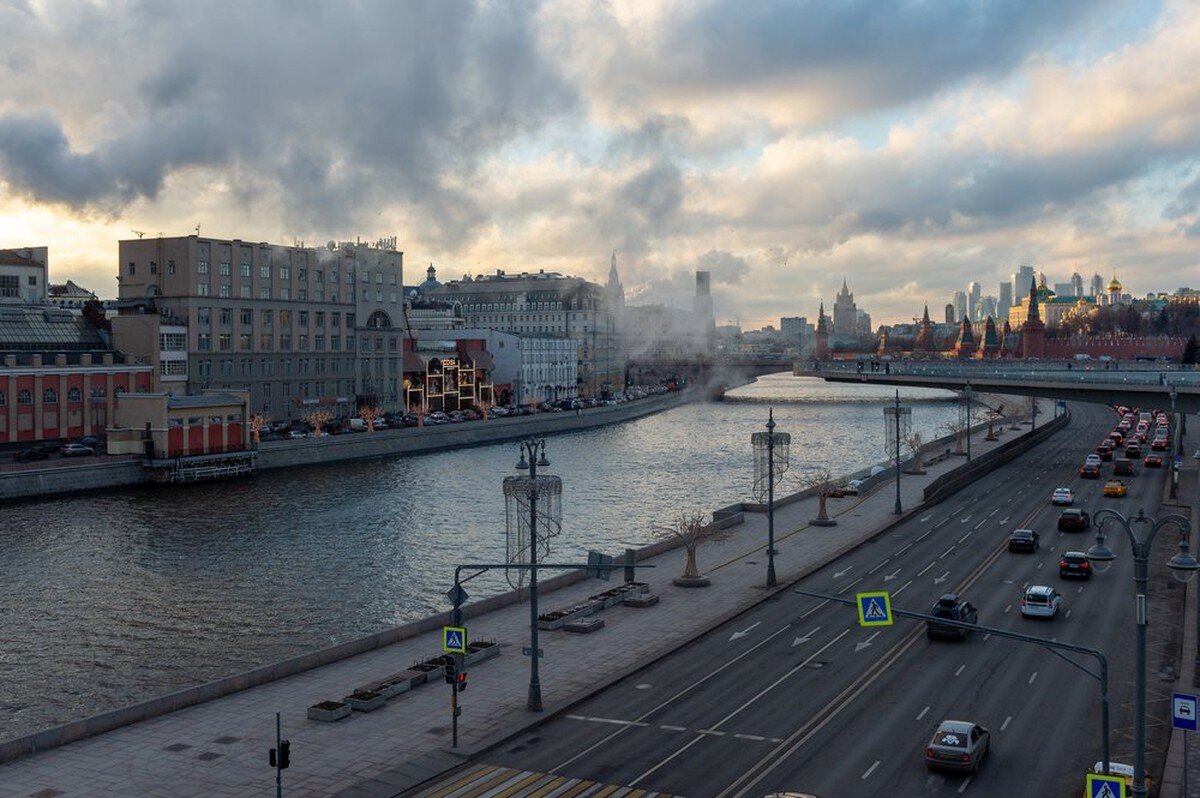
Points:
(821, 481)
(317, 419)
(369, 414)
(915, 445)
(956, 428)
(257, 423)
(690, 529)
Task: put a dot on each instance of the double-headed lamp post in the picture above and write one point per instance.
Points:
(1183, 565)
(536, 451)
(765, 445)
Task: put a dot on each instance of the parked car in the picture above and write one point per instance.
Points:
(1124, 468)
(1062, 496)
(1023, 540)
(1089, 471)
(1074, 520)
(50, 446)
(77, 450)
(958, 745)
(1074, 564)
(852, 487)
(1040, 601)
(1115, 488)
(951, 607)
(88, 440)
(1152, 461)
(29, 455)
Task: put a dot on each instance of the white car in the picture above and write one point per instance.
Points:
(853, 486)
(1040, 601)
(1092, 459)
(1062, 496)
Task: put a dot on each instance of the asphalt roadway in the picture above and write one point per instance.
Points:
(795, 695)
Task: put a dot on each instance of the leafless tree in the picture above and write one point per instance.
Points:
(821, 481)
(690, 529)
(956, 428)
(915, 444)
(257, 423)
(317, 419)
(369, 414)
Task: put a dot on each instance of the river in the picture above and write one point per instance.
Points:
(109, 599)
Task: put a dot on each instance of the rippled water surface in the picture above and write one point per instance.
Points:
(110, 599)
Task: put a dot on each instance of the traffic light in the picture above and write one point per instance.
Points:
(449, 674)
(271, 758)
(462, 681)
(285, 754)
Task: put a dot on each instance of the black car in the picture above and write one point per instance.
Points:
(1074, 564)
(1123, 468)
(1023, 540)
(29, 455)
(1074, 520)
(951, 608)
(1090, 471)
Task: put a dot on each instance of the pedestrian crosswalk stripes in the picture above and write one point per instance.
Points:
(489, 781)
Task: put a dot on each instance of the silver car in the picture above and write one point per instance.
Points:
(958, 745)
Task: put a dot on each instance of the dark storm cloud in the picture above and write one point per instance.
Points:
(341, 109)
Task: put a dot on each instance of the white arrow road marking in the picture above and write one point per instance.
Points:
(865, 643)
(892, 575)
(927, 567)
(941, 578)
(1003, 520)
(871, 770)
(806, 637)
(840, 574)
(965, 520)
(926, 518)
(744, 632)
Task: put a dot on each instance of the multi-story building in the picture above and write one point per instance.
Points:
(1005, 301)
(294, 325)
(974, 299)
(23, 275)
(845, 312)
(549, 304)
(960, 305)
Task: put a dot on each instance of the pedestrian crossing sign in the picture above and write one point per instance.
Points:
(1101, 786)
(454, 639)
(874, 609)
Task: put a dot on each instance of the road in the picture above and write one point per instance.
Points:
(794, 695)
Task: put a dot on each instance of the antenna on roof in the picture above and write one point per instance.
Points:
(137, 233)
(197, 228)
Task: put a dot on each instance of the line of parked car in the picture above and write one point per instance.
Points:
(80, 447)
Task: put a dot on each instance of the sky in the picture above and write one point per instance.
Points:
(908, 147)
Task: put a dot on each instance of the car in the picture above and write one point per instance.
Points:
(1117, 436)
(50, 446)
(853, 486)
(1132, 450)
(1152, 461)
(297, 434)
(1074, 521)
(1089, 471)
(1123, 468)
(1024, 540)
(29, 455)
(1159, 445)
(1092, 459)
(1040, 601)
(1074, 564)
(77, 450)
(88, 440)
(958, 745)
(1062, 496)
(950, 607)
(1104, 452)
(1115, 488)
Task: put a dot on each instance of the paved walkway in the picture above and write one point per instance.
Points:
(220, 748)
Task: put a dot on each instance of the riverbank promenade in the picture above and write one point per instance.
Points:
(219, 748)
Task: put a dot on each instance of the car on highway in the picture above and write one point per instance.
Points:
(1023, 540)
(1074, 564)
(1159, 445)
(1133, 450)
(1105, 452)
(1089, 471)
(958, 745)
(1062, 496)
(77, 450)
(1115, 488)
(1040, 601)
(1074, 520)
(952, 608)
(1152, 461)
(1124, 468)
(1092, 459)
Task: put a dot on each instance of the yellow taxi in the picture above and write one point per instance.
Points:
(1115, 487)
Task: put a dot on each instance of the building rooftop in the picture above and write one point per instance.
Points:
(39, 328)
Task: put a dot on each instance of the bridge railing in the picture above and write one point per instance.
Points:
(1128, 373)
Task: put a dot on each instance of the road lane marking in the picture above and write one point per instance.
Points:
(1034, 676)
(947, 551)
(901, 589)
(871, 770)
(1007, 721)
(805, 638)
(1039, 565)
(993, 512)
(1080, 590)
(928, 532)
(713, 732)
(754, 737)
(922, 713)
(941, 523)
(1068, 615)
(849, 586)
(927, 567)
(966, 783)
(964, 537)
(877, 567)
(981, 523)
(814, 609)
(673, 728)
(1009, 607)
(904, 549)
(961, 668)
(613, 721)
(988, 635)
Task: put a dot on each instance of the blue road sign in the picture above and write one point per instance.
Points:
(1101, 786)
(874, 609)
(454, 639)
(1183, 711)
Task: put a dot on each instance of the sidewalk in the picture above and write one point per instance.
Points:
(219, 748)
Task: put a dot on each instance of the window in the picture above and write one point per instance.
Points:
(302, 294)
(265, 342)
(244, 342)
(264, 272)
(319, 343)
(204, 342)
(264, 293)
(169, 368)
(335, 342)
(285, 318)
(301, 274)
(286, 368)
(335, 320)
(266, 319)
(265, 367)
(170, 267)
(50, 396)
(224, 341)
(303, 318)
(247, 317)
(224, 290)
(285, 343)
(172, 342)
(73, 395)
(245, 270)
(202, 289)
(226, 316)
(226, 368)
(285, 293)
(333, 275)
(303, 342)
(285, 272)
(120, 389)
(378, 278)
(318, 276)
(320, 319)
(349, 276)
(244, 291)
(153, 270)
(10, 285)
(225, 269)
(246, 368)
(366, 275)
(205, 368)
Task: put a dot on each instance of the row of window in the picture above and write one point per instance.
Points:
(197, 421)
(245, 367)
(267, 317)
(266, 343)
(50, 396)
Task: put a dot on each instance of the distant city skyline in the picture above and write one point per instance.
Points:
(910, 149)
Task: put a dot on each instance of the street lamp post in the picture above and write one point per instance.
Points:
(893, 416)
(536, 451)
(766, 443)
(968, 423)
(1183, 566)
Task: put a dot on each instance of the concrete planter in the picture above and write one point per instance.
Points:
(329, 711)
(478, 655)
(367, 701)
(552, 620)
(391, 689)
(411, 677)
(427, 672)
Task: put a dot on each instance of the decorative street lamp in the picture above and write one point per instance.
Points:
(1183, 565)
(899, 421)
(766, 474)
(533, 510)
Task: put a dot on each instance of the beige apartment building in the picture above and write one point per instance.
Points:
(295, 326)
